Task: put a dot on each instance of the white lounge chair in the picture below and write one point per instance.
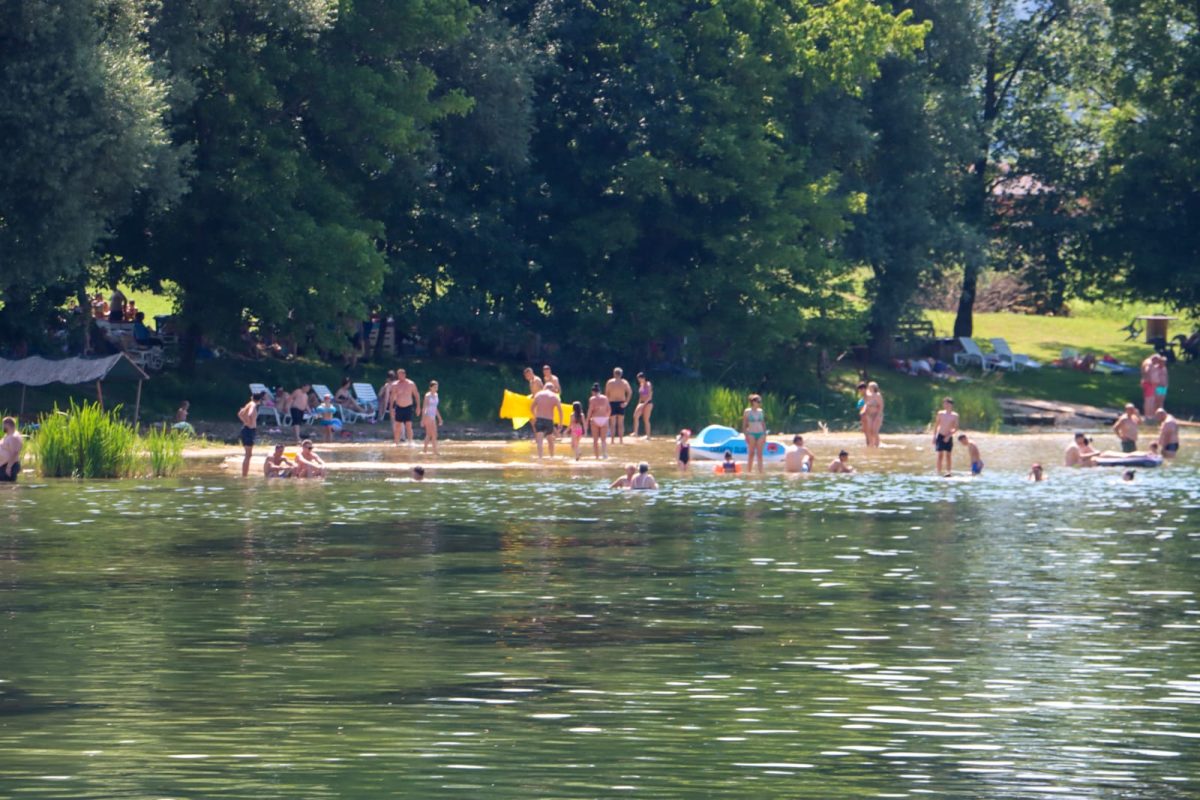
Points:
(972, 354)
(1016, 361)
(364, 393)
(265, 410)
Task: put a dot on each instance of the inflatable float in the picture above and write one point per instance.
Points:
(519, 409)
(1144, 460)
(713, 441)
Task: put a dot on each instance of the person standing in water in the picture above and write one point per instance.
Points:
(645, 406)
(754, 428)
(798, 458)
(1036, 473)
(406, 404)
(248, 414)
(598, 412)
(576, 427)
(10, 451)
(1126, 428)
(945, 425)
(1168, 433)
(547, 406)
(431, 418)
(683, 449)
(618, 393)
(872, 414)
(973, 450)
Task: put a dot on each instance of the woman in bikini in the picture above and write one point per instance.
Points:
(872, 414)
(754, 428)
(431, 417)
(598, 413)
(645, 406)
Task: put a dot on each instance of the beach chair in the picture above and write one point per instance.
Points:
(364, 393)
(266, 410)
(1017, 361)
(972, 354)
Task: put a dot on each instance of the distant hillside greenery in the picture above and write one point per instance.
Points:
(687, 183)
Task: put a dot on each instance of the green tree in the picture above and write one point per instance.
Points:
(82, 135)
(1147, 240)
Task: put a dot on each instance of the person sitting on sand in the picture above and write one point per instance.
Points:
(1126, 428)
(308, 463)
(1036, 473)
(973, 450)
(326, 422)
(798, 458)
(1080, 452)
(626, 480)
(10, 451)
(728, 465)
(277, 465)
(841, 464)
(1168, 433)
(643, 480)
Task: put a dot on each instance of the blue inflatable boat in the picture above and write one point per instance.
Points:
(713, 441)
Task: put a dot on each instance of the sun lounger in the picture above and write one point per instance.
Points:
(364, 394)
(972, 354)
(1017, 361)
(267, 408)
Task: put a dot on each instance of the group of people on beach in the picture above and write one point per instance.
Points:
(603, 417)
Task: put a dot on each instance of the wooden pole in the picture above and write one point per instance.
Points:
(137, 404)
(99, 395)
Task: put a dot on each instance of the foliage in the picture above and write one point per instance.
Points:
(164, 450)
(85, 442)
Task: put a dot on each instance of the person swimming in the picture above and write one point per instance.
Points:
(643, 480)
(729, 466)
(626, 480)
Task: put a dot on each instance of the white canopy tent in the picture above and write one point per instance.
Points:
(37, 371)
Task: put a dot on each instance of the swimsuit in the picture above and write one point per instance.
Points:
(298, 416)
(976, 467)
(1128, 446)
(543, 425)
(755, 419)
(600, 421)
(402, 413)
(685, 453)
(431, 404)
(1147, 389)
(617, 408)
(643, 392)
(9, 474)
(248, 435)
(729, 466)
(1171, 447)
(945, 444)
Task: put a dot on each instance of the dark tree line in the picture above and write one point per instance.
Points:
(709, 179)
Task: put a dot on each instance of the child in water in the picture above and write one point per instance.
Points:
(729, 466)
(576, 427)
(683, 448)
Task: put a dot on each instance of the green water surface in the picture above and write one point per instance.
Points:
(527, 635)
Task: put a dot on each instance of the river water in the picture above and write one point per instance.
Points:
(515, 634)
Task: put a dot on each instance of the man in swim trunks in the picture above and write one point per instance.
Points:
(798, 458)
(277, 465)
(299, 408)
(973, 450)
(406, 404)
(1126, 428)
(945, 425)
(248, 414)
(598, 414)
(841, 464)
(10, 451)
(1168, 433)
(1080, 452)
(618, 392)
(546, 405)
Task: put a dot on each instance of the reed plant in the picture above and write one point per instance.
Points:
(164, 450)
(85, 442)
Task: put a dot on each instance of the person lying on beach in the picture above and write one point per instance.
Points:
(277, 465)
(643, 480)
(308, 463)
(973, 450)
(1080, 452)
(841, 464)
(626, 480)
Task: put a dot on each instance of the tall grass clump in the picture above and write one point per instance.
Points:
(85, 442)
(164, 451)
